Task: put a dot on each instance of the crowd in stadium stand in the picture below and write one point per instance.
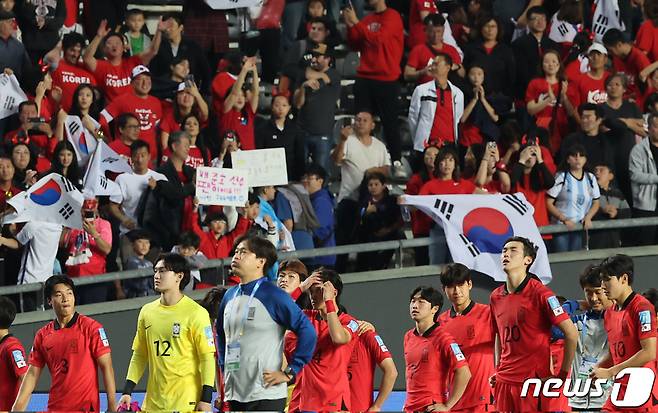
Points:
(366, 98)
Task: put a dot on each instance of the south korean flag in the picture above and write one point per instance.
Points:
(477, 226)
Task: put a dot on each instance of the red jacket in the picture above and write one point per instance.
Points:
(220, 248)
(380, 39)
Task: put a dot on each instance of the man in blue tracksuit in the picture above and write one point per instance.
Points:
(251, 323)
(323, 205)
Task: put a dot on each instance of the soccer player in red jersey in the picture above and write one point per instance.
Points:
(652, 295)
(324, 383)
(72, 346)
(13, 365)
(470, 325)
(524, 311)
(370, 351)
(431, 355)
(631, 327)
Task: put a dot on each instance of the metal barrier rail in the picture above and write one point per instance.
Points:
(397, 245)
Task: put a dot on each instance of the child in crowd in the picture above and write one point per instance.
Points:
(480, 117)
(141, 243)
(136, 39)
(612, 205)
(188, 247)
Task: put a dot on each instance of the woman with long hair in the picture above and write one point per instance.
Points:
(546, 99)
(65, 163)
(188, 101)
(86, 104)
(199, 154)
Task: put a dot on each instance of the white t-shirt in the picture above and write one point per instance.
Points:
(132, 187)
(41, 240)
(358, 159)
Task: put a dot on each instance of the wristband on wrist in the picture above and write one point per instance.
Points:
(206, 394)
(129, 387)
(331, 307)
(500, 166)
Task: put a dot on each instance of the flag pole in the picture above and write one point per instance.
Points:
(89, 163)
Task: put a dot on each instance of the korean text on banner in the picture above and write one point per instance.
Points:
(218, 186)
(265, 166)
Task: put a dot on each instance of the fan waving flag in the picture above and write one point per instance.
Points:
(104, 159)
(476, 227)
(83, 141)
(52, 199)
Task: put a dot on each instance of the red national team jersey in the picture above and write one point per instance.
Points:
(421, 55)
(325, 386)
(429, 359)
(114, 81)
(289, 347)
(523, 321)
(368, 352)
(194, 157)
(13, 365)
(586, 89)
(626, 326)
(68, 77)
(121, 149)
(473, 331)
(148, 110)
(646, 39)
(416, 27)
(70, 354)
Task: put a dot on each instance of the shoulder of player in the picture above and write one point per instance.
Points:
(88, 324)
(349, 322)
(639, 304)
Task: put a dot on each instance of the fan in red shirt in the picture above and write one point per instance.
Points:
(524, 310)
(188, 102)
(491, 176)
(646, 39)
(324, 383)
(7, 188)
(241, 105)
(590, 86)
(471, 326)
(128, 128)
(216, 243)
(73, 347)
(418, 12)
(627, 59)
(114, 74)
(421, 55)
(370, 351)
(431, 355)
(224, 80)
(13, 364)
(631, 328)
(138, 102)
(67, 70)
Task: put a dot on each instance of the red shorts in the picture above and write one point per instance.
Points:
(508, 399)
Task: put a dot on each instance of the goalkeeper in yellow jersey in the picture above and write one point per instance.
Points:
(175, 339)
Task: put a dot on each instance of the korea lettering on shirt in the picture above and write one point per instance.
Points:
(555, 306)
(382, 346)
(19, 359)
(457, 352)
(69, 77)
(645, 321)
(103, 336)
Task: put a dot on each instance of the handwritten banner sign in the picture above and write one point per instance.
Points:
(219, 186)
(265, 166)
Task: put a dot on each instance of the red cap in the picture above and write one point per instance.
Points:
(90, 204)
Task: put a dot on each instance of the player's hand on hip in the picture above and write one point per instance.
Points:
(492, 381)
(437, 407)
(125, 401)
(272, 378)
(203, 407)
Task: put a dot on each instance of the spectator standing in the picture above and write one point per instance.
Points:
(644, 181)
(128, 128)
(381, 220)
(187, 101)
(589, 87)
(85, 105)
(528, 49)
(217, 241)
(379, 39)
(420, 226)
(480, 117)
(174, 195)
(13, 55)
(418, 12)
(531, 176)
(88, 248)
(138, 101)
(318, 9)
(315, 99)
(323, 205)
(40, 23)
(612, 205)
(33, 131)
(436, 107)
(141, 246)
(178, 45)
(421, 56)
(67, 71)
(626, 59)
(166, 87)
(136, 38)
(573, 199)
(358, 153)
(199, 152)
(283, 132)
(114, 73)
(23, 158)
(65, 163)
(597, 144)
(496, 57)
(240, 106)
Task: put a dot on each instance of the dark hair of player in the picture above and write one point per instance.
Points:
(431, 295)
(590, 277)
(261, 247)
(529, 249)
(617, 266)
(176, 263)
(7, 312)
(51, 282)
(455, 274)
